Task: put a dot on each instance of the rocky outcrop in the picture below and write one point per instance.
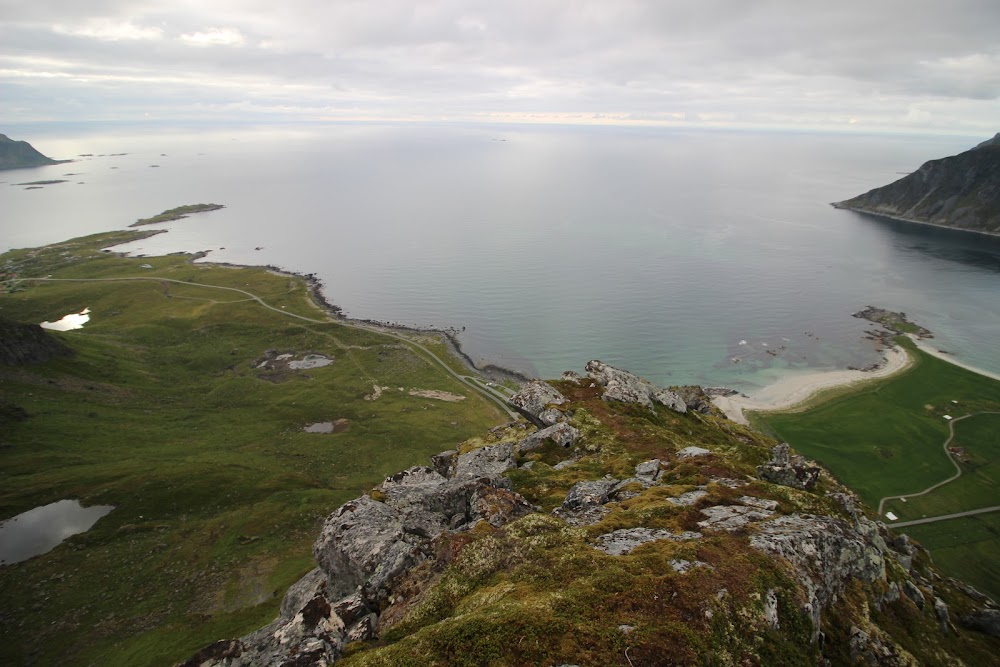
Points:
(365, 547)
(986, 621)
(962, 191)
(824, 553)
(535, 401)
(28, 344)
(562, 434)
(623, 386)
(788, 470)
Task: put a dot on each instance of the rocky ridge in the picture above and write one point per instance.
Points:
(570, 544)
(961, 191)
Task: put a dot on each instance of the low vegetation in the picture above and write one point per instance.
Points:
(166, 412)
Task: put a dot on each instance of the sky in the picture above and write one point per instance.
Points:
(913, 66)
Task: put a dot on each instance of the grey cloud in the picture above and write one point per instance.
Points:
(715, 58)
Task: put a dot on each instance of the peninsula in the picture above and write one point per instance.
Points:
(21, 154)
(959, 192)
(177, 213)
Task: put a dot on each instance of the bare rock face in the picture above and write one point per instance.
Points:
(533, 402)
(363, 550)
(825, 553)
(623, 386)
(788, 470)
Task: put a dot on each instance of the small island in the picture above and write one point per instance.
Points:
(177, 213)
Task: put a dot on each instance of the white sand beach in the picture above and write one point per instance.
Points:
(794, 390)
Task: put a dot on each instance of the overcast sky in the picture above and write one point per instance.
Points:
(927, 66)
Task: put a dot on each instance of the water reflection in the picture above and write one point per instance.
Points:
(40, 530)
(71, 321)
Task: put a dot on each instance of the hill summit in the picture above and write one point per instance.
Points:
(20, 154)
(961, 191)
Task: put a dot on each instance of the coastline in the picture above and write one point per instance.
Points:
(877, 214)
(794, 390)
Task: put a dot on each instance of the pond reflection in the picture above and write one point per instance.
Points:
(40, 530)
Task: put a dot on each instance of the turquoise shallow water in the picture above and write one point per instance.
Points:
(707, 257)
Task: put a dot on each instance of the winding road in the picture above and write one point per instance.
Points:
(958, 473)
(473, 382)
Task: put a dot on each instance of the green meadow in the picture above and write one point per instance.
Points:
(166, 412)
(887, 438)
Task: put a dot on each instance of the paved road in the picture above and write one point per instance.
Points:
(944, 517)
(958, 470)
(469, 380)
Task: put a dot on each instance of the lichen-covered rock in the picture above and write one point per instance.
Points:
(692, 452)
(759, 503)
(533, 399)
(444, 463)
(623, 386)
(561, 433)
(485, 462)
(825, 553)
(670, 399)
(648, 471)
(788, 470)
(688, 498)
(623, 541)
(584, 504)
(731, 517)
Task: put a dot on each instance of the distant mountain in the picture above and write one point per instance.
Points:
(962, 191)
(19, 154)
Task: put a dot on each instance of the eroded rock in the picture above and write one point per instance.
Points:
(788, 470)
(731, 517)
(623, 386)
(561, 433)
(533, 399)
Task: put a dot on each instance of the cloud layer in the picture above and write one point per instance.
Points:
(919, 65)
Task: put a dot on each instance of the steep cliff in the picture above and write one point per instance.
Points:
(630, 528)
(962, 191)
(19, 154)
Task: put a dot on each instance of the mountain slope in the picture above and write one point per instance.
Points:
(961, 191)
(19, 154)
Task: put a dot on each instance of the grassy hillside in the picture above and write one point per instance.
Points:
(887, 438)
(165, 413)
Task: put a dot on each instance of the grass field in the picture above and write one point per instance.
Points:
(966, 548)
(887, 438)
(164, 413)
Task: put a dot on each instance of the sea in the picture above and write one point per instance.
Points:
(687, 256)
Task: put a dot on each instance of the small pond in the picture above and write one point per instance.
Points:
(40, 530)
(71, 321)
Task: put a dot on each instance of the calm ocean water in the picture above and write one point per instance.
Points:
(701, 257)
